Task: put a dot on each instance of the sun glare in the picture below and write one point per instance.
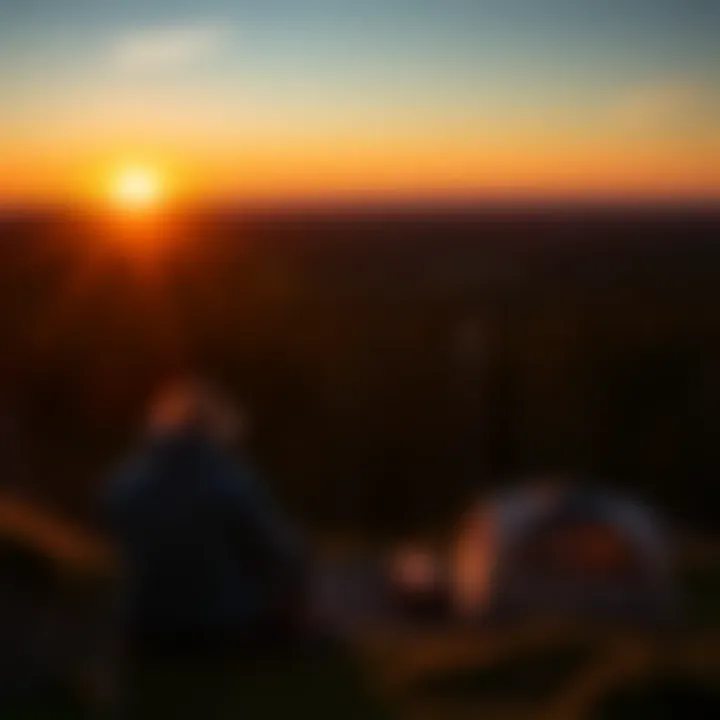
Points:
(137, 188)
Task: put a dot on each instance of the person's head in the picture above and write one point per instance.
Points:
(192, 405)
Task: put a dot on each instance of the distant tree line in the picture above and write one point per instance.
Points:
(386, 386)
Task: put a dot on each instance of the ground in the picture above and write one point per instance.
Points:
(544, 670)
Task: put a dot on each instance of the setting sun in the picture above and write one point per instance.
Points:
(137, 188)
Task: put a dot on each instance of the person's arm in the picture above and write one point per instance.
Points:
(256, 515)
(287, 565)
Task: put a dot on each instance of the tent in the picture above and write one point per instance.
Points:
(561, 548)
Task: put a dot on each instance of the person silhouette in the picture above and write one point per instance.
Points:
(209, 563)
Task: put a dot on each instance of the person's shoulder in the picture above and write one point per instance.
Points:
(234, 476)
(128, 478)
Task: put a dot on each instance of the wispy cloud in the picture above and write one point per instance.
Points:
(165, 48)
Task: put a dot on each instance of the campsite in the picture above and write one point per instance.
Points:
(391, 404)
(359, 360)
(387, 665)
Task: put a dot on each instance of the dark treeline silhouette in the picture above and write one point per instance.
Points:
(393, 362)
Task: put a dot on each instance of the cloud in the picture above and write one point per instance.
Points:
(167, 48)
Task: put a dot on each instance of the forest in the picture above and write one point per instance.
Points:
(395, 364)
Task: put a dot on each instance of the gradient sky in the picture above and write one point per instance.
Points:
(235, 99)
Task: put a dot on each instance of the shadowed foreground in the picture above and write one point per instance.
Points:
(388, 669)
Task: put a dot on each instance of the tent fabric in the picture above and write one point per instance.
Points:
(560, 547)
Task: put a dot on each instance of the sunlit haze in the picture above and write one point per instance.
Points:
(392, 99)
(137, 188)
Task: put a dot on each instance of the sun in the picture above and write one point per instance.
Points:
(137, 188)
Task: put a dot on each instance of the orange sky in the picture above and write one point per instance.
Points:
(490, 165)
(509, 101)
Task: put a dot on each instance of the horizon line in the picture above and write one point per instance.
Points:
(375, 204)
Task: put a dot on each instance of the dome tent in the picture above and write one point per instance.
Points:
(549, 547)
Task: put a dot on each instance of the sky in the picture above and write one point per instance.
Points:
(308, 99)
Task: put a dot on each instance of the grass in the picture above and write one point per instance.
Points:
(702, 586)
(664, 696)
(534, 676)
(529, 672)
(327, 686)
